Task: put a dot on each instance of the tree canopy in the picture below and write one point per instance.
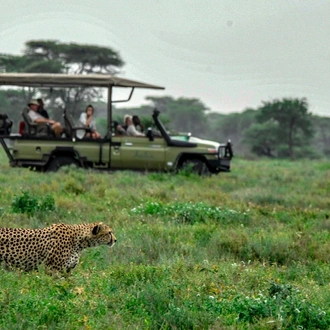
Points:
(287, 122)
(51, 56)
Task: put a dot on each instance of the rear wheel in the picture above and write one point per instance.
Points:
(60, 161)
(196, 166)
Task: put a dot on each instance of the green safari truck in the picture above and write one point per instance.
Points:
(158, 150)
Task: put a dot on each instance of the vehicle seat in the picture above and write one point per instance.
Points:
(115, 129)
(71, 130)
(32, 128)
(21, 127)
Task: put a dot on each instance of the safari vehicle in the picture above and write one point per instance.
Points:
(157, 151)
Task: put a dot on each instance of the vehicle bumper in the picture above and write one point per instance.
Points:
(222, 164)
(219, 165)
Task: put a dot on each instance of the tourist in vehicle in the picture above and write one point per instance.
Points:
(87, 120)
(137, 123)
(37, 118)
(131, 129)
(120, 128)
(41, 109)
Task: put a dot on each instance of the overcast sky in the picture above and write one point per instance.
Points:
(231, 54)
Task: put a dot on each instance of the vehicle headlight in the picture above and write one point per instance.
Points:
(213, 152)
(220, 152)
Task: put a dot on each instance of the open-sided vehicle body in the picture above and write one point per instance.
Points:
(159, 152)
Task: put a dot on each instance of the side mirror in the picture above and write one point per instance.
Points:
(150, 134)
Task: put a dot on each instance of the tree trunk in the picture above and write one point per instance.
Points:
(290, 141)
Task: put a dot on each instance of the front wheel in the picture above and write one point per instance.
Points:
(196, 166)
(60, 161)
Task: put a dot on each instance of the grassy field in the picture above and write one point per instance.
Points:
(248, 249)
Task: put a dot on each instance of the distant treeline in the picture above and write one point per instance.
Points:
(278, 129)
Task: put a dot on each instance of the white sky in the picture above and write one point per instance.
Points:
(231, 54)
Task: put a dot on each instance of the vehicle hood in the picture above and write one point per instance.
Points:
(207, 143)
(193, 139)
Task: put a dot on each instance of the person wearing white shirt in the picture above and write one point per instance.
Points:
(87, 120)
(37, 118)
(131, 129)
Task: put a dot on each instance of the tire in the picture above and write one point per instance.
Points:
(196, 166)
(60, 161)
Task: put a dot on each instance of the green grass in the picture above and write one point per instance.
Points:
(242, 250)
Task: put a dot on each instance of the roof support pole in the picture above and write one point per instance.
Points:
(109, 112)
(109, 124)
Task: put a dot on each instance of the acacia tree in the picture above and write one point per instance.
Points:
(287, 121)
(49, 56)
(74, 58)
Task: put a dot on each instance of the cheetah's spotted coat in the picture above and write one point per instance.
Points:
(57, 247)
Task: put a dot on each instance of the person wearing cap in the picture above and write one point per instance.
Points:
(131, 129)
(37, 118)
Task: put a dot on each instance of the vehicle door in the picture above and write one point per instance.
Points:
(138, 152)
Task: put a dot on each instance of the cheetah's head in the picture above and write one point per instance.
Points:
(103, 235)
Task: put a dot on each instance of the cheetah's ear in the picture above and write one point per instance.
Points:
(96, 229)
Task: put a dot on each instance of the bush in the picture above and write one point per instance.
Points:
(26, 203)
(191, 213)
(284, 305)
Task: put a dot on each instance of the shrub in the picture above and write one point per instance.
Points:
(191, 213)
(26, 203)
(284, 304)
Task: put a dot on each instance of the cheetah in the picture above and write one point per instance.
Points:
(58, 246)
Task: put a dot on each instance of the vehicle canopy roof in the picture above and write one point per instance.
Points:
(70, 80)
